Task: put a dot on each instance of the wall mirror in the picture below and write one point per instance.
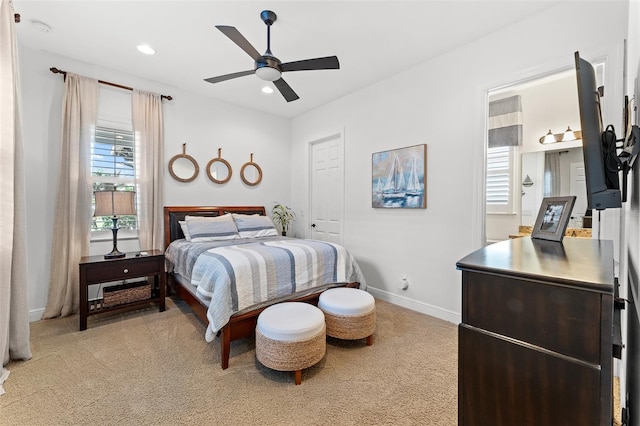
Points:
(251, 173)
(218, 169)
(548, 102)
(556, 173)
(183, 167)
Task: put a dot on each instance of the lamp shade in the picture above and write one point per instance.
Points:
(115, 203)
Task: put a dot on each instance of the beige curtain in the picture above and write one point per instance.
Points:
(149, 141)
(73, 202)
(14, 310)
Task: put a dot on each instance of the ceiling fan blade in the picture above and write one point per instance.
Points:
(286, 90)
(239, 39)
(327, 63)
(225, 77)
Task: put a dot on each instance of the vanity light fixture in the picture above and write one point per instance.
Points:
(548, 138)
(567, 136)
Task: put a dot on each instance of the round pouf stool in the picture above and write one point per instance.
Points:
(349, 313)
(290, 336)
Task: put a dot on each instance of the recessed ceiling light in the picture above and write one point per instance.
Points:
(40, 26)
(146, 49)
(267, 90)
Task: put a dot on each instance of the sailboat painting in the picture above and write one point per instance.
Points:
(398, 178)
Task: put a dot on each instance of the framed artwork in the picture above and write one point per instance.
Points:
(553, 218)
(398, 178)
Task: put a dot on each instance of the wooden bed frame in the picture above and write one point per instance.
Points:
(240, 325)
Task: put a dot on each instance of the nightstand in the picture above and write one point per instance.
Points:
(97, 270)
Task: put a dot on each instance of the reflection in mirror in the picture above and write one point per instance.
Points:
(183, 167)
(219, 170)
(554, 174)
(548, 102)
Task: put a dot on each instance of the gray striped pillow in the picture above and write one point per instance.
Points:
(211, 228)
(254, 226)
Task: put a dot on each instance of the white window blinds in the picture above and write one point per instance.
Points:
(113, 167)
(499, 188)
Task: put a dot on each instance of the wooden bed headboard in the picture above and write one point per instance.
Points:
(173, 214)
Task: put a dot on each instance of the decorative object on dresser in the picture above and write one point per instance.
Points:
(553, 218)
(183, 167)
(538, 335)
(283, 216)
(96, 270)
(114, 203)
(251, 173)
(399, 178)
(218, 169)
(228, 297)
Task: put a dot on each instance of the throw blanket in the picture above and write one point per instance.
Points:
(235, 277)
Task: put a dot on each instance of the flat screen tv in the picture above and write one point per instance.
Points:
(601, 163)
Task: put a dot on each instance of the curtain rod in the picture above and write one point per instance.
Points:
(57, 71)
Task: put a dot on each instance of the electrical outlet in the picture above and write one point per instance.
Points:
(404, 282)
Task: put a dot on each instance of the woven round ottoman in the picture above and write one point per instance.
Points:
(290, 336)
(349, 313)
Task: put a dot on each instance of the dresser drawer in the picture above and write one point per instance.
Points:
(561, 319)
(123, 269)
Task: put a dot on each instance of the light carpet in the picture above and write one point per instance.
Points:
(150, 367)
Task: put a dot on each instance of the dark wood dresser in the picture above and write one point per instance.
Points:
(535, 342)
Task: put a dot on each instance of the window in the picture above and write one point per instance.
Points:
(500, 166)
(112, 167)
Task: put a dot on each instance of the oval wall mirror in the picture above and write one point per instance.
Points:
(218, 169)
(183, 167)
(251, 173)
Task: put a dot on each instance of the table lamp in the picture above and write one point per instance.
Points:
(114, 204)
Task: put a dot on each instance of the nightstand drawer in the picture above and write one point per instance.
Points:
(123, 269)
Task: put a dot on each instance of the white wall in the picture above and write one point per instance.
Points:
(442, 103)
(203, 123)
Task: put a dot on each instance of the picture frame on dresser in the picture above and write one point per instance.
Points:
(553, 218)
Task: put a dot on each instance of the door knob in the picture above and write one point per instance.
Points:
(313, 225)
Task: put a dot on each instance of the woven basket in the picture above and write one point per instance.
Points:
(290, 356)
(350, 327)
(125, 293)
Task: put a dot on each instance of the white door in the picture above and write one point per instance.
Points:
(327, 189)
(578, 187)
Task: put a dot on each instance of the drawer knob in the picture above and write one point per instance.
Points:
(126, 271)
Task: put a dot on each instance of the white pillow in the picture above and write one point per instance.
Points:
(211, 228)
(185, 229)
(254, 226)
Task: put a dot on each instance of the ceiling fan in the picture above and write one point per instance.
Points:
(267, 67)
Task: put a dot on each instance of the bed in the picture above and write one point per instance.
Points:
(221, 283)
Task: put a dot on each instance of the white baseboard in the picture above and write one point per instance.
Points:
(35, 314)
(414, 305)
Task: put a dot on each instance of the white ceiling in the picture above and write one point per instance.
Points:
(372, 39)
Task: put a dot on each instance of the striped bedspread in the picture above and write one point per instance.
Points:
(236, 277)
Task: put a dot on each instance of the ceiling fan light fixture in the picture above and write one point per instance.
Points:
(268, 74)
(146, 49)
(268, 90)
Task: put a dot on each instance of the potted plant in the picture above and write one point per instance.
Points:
(283, 216)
